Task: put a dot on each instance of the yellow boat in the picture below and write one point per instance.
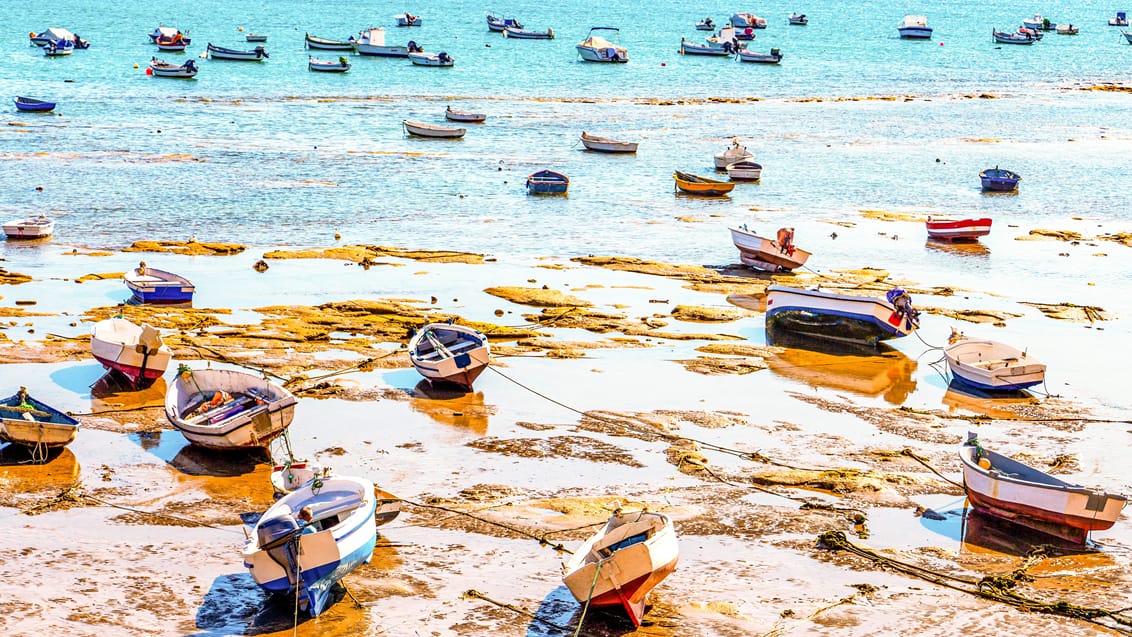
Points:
(696, 185)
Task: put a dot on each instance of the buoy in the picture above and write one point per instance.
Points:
(664, 63)
(941, 43)
(984, 464)
(148, 71)
(135, 65)
(240, 29)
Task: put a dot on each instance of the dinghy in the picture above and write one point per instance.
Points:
(150, 285)
(772, 255)
(547, 182)
(607, 145)
(991, 365)
(36, 227)
(423, 129)
(32, 423)
(696, 185)
(951, 229)
(450, 353)
(464, 116)
(225, 409)
(135, 351)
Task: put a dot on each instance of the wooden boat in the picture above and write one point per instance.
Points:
(372, 42)
(1003, 37)
(32, 423)
(498, 24)
(526, 34)
(841, 317)
(423, 58)
(341, 65)
(432, 130)
(735, 152)
(135, 351)
(914, 27)
(1039, 23)
(606, 145)
(991, 365)
(255, 37)
(1127, 36)
(720, 49)
(289, 557)
(449, 353)
(547, 182)
(326, 44)
(1008, 489)
(224, 409)
(221, 53)
(1067, 29)
(747, 21)
(29, 105)
(696, 185)
(774, 57)
(999, 179)
(597, 49)
(772, 255)
(150, 285)
(161, 68)
(54, 34)
(175, 42)
(36, 227)
(407, 20)
(950, 229)
(707, 24)
(622, 562)
(463, 116)
(56, 48)
(1121, 20)
(745, 170)
(798, 19)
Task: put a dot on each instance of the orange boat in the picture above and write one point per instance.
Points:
(696, 185)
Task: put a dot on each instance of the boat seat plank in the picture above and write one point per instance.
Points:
(995, 364)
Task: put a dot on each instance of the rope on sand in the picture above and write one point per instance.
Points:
(540, 537)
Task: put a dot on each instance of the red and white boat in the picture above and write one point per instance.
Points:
(1008, 489)
(135, 351)
(623, 561)
(951, 229)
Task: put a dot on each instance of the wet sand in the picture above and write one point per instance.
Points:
(620, 393)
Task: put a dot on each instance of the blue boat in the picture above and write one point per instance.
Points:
(999, 179)
(30, 105)
(158, 286)
(547, 182)
(32, 423)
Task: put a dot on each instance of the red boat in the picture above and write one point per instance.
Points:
(946, 229)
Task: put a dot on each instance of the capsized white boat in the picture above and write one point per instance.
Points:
(607, 145)
(451, 353)
(991, 365)
(227, 409)
(36, 227)
(773, 255)
(135, 351)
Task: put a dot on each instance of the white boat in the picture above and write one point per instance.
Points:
(841, 317)
(1069, 29)
(341, 65)
(423, 129)
(735, 152)
(463, 116)
(54, 34)
(498, 24)
(222, 53)
(135, 351)
(36, 227)
(1039, 23)
(1127, 36)
(623, 562)
(527, 34)
(407, 20)
(745, 170)
(161, 68)
(423, 58)
(772, 255)
(287, 556)
(32, 423)
(372, 42)
(747, 21)
(326, 44)
(774, 57)
(597, 49)
(225, 409)
(1006, 488)
(798, 19)
(914, 27)
(164, 32)
(292, 475)
(707, 24)
(1121, 20)
(449, 353)
(721, 48)
(1017, 37)
(59, 47)
(606, 145)
(991, 365)
(256, 37)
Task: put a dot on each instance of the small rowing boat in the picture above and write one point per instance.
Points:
(990, 365)
(32, 423)
(225, 409)
(422, 129)
(444, 352)
(696, 185)
(463, 116)
(547, 182)
(607, 145)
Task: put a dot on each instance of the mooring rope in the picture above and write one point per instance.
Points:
(920, 459)
(540, 537)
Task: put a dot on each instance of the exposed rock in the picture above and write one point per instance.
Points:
(706, 314)
(365, 254)
(195, 248)
(538, 297)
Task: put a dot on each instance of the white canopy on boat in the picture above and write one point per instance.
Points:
(58, 33)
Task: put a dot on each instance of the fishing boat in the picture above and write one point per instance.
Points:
(696, 185)
(135, 351)
(166, 32)
(747, 20)
(372, 42)
(547, 182)
(326, 44)
(707, 24)
(774, 57)
(449, 353)
(1039, 23)
(341, 65)
(598, 49)
(607, 145)
(914, 27)
(224, 409)
(990, 365)
(498, 24)
(798, 19)
(772, 255)
(951, 229)
(161, 68)
(150, 285)
(289, 555)
(424, 58)
(1121, 20)
(745, 170)
(1067, 29)
(721, 49)
(841, 317)
(54, 34)
(56, 48)
(1003, 37)
(175, 42)
(1011, 490)
(32, 423)
(733, 153)
(423, 129)
(1035, 34)
(527, 34)
(999, 179)
(255, 37)
(29, 105)
(620, 564)
(407, 20)
(464, 116)
(37, 227)
(221, 53)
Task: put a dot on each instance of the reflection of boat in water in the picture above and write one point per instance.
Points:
(967, 249)
(114, 391)
(20, 474)
(451, 405)
(963, 397)
(980, 533)
(860, 369)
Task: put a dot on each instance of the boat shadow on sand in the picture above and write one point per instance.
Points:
(559, 613)
(236, 605)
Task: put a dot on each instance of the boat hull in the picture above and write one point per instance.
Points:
(766, 254)
(29, 228)
(523, 34)
(134, 351)
(450, 353)
(915, 33)
(158, 286)
(603, 145)
(324, 44)
(694, 185)
(547, 182)
(42, 427)
(759, 58)
(428, 130)
(221, 53)
(266, 412)
(457, 116)
(856, 319)
(958, 229)
(593, 54)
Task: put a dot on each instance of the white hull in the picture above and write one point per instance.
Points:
(406, 20)
(745, 171)
(860, 319)
(993, 365)
(597, 49)
(432, 130)
(431, 59)
(759, 58)
(605, 145)
(450, 353)
(766, 254)
(327, 66)
(914, 27)
(731, 155)
(265, 414)
(33, 228)
(460, 116)
(382, 51)
(134, 350)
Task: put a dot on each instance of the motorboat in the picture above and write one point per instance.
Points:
(707, 24)
(798, 19)
(161, 68)
(733, 153)
(774, 57)
(372, 42)
(498, 24)
(841, 317)
(424, 58)
(1039, 23)
(771, 255)
(341, 65)
(598, 49)
(407, 20)
(1005, 37)
(914, 27)
(221, 53)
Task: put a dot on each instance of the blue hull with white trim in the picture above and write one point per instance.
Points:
(842, 317)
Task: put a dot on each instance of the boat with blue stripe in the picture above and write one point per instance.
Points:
(841, 317)
(547, 182)
(150, 285)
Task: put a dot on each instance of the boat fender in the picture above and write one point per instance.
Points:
(985, 463)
